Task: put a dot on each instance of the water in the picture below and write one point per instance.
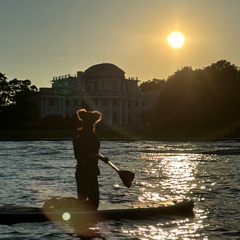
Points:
(207, 172)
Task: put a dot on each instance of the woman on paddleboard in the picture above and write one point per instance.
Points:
(86, 150)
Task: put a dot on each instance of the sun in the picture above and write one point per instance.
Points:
(176, 39)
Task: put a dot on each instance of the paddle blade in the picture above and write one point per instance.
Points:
(127, 177)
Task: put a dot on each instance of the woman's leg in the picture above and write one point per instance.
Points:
(93, 193)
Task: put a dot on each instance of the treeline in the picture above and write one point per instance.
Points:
(201, 100)
(197, 101)
(18, 103)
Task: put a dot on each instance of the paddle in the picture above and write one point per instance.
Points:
(126, 176)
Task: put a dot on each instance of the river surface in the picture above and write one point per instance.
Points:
(207, 172)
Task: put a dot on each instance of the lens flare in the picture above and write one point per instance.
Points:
(66, 216)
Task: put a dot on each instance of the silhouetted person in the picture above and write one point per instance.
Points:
(86, 149)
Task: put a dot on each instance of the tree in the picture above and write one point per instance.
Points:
(224, 87)
(176, 100)
(152, 85)
(3, 90)
(201, 99)
(18, 103)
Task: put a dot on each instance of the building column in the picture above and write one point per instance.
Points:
(98, 104)
(126, 112)
(59, 99)
(63, 108)
(110, 112)
(120, 112)
(43, 107)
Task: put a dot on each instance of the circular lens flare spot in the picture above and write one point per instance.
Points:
(66, 216)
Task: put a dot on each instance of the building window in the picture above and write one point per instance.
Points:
(104, 102)
(129, 120)
(89, 87)
(114, 102)
(75, 102)
(105, 85)
(95, 85)
(67, 102)
(122, 87)
(51, 101)
(115, 85)
(105, 116)
(143, 104)
(129, 103)
(114, 118)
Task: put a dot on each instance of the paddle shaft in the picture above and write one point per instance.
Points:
(126, 176)
(111, 164)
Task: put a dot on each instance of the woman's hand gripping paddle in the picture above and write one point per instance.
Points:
(126, 176)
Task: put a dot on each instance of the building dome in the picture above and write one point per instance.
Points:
(104, 70)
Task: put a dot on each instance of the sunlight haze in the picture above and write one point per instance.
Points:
(176, 39)
(47, 38)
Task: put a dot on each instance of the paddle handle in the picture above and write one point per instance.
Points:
(110, 164)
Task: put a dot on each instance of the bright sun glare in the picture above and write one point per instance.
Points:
(176, 39)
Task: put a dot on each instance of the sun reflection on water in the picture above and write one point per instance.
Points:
(166, 228)
(169, 174)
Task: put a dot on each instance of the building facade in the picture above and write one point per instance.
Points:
(101, 87)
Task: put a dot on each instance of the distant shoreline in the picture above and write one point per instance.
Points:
(112, 134)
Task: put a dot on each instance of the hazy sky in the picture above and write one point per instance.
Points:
(41, 39)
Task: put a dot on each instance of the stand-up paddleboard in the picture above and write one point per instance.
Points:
(17, 214)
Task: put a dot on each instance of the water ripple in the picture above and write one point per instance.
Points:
(207, 172)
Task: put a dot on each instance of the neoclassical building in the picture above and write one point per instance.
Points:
(101, 87)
